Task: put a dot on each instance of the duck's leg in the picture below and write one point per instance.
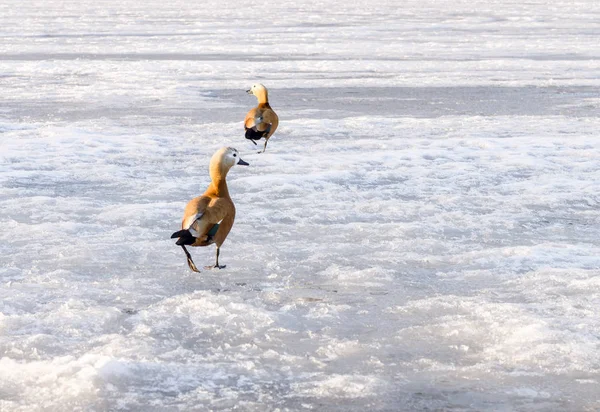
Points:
(190, 262)
(265, 148)
(216, 266)
(217, 261)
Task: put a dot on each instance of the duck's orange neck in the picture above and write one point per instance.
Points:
(218, 185)
(262, 97)
(219, 188)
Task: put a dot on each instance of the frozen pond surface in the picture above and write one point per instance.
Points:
(422, 233)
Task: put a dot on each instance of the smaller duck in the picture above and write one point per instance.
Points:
(207, 219)
(261, 121)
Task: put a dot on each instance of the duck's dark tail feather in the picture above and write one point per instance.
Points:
(185, 237)
(253, 134)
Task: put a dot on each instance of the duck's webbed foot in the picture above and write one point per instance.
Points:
(190, 262)
(216, 266)
(209, 267)
(192, 265)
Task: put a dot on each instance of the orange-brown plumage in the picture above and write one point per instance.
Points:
(214, 207)
(261, 121)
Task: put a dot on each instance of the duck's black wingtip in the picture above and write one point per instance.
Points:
(253, 134)
(178, 234)
(185, 237)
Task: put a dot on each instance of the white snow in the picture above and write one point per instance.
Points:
(421, 234)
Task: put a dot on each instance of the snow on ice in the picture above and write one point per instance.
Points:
(421, 234)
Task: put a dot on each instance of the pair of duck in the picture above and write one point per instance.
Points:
(207, 219)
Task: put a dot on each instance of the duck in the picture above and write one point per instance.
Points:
(207, 219)
(261, 121)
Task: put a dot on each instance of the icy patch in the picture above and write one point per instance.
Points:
(421, 234)
(339, 386)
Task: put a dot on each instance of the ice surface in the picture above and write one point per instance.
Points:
(421, 234)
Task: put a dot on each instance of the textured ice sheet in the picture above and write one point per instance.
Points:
(422, 233)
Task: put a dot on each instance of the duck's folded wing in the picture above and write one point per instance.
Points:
(191, 224)
(194, 210)
(200, 228)
(249, 121)
(210, 214)
(272, 119)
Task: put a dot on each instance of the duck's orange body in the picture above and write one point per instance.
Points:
(261, 121)
(214, 207)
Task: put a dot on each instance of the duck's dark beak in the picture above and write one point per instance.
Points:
(249, 91)
(241, 162)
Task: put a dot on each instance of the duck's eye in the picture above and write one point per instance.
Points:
(234, 155)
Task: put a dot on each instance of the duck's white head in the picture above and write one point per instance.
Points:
(224, 159)
(260, 91)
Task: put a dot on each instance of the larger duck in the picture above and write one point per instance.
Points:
(261, 121)
(207, 219)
